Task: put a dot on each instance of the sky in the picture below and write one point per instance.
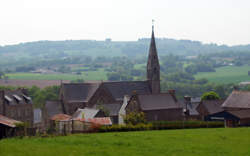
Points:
(208, 21)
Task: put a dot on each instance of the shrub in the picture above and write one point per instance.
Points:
(159, 125)
(135, 118)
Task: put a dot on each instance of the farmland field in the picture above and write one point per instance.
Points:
(191, 142)
(90, 75)
(228, 74)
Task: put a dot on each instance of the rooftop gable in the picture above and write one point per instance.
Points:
(158, 101)
(238, 99)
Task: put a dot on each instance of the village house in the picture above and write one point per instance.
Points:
(16, 104)
(156, 107)
(208, 107)
(8, 127)
(236, 110)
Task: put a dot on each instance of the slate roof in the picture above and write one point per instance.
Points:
(113, 108)
(82, 92)
(238, 99)
(241, 114)
(158, 101)
(120, 88)
(37, 115)
(8, 121)
(213, 106)
(16, 97)
(79, 92)
(87, 112)
(53, 108)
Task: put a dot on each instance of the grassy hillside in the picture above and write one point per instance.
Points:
(90, 75)
(192, 142)
(228, 74)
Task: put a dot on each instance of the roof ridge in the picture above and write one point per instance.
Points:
(122, 81)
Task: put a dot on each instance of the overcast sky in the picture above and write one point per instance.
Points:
(209, 21)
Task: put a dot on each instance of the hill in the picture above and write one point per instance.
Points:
(202, 142)
(55, 49)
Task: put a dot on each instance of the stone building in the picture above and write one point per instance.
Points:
(16, 104)
(208, 107)
(156, 107)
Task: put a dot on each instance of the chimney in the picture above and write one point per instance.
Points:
(24, 91)
(187, 98)
(172, 92)
(1, 94)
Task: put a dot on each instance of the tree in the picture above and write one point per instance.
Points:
(210, 96)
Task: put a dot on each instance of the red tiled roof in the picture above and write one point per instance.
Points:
(99, 121)
(8, 121)
(59, 117)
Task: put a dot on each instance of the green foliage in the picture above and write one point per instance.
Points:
(189, 142)
(210, 96)
(159, 125)
(134, 118)
(227, 74)
(40, 96)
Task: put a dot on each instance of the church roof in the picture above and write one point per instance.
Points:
(79, 92)
(121, 88)
(82, 92)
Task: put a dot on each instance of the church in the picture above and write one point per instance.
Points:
(110, 95)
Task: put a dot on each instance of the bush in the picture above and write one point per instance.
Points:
(135, 118)
(159, 125)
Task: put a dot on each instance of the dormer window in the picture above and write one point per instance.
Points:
(7, 98)
(27, 99)
(17, 98)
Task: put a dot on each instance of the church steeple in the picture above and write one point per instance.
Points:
(153, 66)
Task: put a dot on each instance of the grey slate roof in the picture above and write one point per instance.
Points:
(213, 106)
(87, 112)
(238, 99)
(37, 115)
(121, 88)
(113, 108)
(53, 108)
(241, 114)
(158, 101)
(16, 97)
(79, 92)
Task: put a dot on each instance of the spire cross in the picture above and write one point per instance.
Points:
(153, 24)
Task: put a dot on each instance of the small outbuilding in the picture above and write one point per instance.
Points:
(8, 127)
(233, 118)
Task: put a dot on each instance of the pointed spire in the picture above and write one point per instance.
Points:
(153, 66)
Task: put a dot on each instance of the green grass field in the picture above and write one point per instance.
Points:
(191, 142)
(90, 75)
(228, 74)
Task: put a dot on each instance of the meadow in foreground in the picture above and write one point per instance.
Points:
(191, 142)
